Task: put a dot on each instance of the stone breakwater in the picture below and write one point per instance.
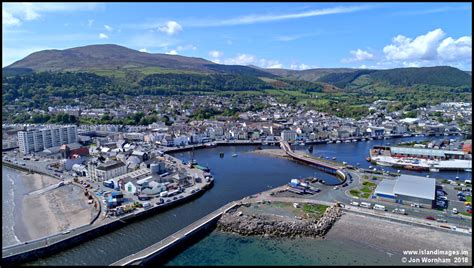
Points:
(236, 222)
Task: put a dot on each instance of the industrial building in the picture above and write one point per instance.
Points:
(37, 140)
(107, 170)
(408, 189)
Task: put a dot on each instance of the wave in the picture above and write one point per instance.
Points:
(8, 214)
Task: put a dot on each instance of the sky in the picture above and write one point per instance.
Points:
(269, 35)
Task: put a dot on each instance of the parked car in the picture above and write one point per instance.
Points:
(399, 211)
(431, 218)
(441, 220)
(355, 203)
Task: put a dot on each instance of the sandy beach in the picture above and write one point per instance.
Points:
(51, 212)
(271, 152)
(393, 237)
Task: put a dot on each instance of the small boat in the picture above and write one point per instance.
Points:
(329, 142)
(434, 170)
(363, 139)
(468, 170)
(457, 177)
(357, 164)
(383, 164)
(334, 158)
(338, 141)
(344, 163)
(346, 141)
(234, 155)
(354, 140)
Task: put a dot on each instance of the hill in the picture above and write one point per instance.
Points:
(443, 76)
(311, 75)
(117, 58)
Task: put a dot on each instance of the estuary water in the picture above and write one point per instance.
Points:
(235, 178)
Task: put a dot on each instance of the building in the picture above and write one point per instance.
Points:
(107, 170)
(288, 135)
(37, 140)
(408, 189)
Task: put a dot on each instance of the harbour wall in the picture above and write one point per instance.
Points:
(161, 252)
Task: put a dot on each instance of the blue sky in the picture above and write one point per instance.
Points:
(270, 35)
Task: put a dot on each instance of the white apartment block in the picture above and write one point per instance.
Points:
(288, 135)
(38, 140)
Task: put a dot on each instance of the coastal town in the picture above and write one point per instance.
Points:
(126, 170)
(236, 134)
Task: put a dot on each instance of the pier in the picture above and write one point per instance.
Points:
(326, 167)
(160, 249)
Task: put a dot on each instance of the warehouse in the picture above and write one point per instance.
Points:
(408, 189)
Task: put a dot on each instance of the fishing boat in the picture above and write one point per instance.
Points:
(234, 155)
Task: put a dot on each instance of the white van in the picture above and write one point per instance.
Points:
(379, 207)
(147, 205)
(366, 205)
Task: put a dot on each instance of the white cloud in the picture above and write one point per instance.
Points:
(108, 28)
(172, 52)
(452, 50)
(143, 50)
(241, 59)
(32, 11)
(423, 47)
(269, 63)
(429, 49)
(251, 19)
(216, 54)
(361, 55)
(9, 19)
(247, 59)
(103, 36)
(301, 66)
(171, 27)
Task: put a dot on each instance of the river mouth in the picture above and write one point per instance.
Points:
(235, 178)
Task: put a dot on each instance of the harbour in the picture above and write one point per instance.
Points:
(232, 183)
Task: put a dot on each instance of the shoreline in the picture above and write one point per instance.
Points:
(49, 213)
